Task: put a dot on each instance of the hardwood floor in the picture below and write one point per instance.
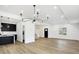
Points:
(42, 46)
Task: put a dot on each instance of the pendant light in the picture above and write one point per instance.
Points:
(34, 13)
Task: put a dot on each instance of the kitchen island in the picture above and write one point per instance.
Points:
(6, 39)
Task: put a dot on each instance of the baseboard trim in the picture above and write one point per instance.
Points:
(62, 39)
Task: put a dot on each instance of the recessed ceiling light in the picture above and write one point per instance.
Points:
(62, 16)
(55, 7)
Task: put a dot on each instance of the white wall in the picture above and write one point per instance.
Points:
(29, 30)
(72, 31)
(38, 31)
(19, 31)
(53, 31)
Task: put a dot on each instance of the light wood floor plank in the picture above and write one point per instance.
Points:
(42, 46)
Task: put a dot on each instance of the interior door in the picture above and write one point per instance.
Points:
(46, 32)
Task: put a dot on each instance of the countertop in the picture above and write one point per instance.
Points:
(7, 35)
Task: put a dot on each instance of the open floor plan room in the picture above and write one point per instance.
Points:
(39, 29)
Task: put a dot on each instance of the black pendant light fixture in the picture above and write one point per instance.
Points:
(21, 14)
(34, 13)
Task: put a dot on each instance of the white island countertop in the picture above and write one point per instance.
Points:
(7, 35)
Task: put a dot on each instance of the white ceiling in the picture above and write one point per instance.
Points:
(57, 14)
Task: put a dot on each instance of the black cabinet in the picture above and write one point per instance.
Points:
(8, 27)
(6, 40)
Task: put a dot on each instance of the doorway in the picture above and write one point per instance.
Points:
(23, 33)
(46, 32)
